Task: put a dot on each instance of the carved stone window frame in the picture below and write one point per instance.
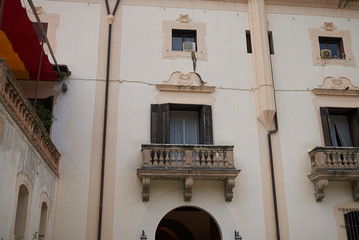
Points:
(183, 23)
(329, 30)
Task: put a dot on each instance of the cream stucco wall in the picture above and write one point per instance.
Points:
(137, 65)
(299, 121)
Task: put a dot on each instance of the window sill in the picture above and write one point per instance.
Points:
(181, 88)
(335, 92)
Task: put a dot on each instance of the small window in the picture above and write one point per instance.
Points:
(181, 124)
(179, 36)
(249, 42)
(334, 44)
(340, 126)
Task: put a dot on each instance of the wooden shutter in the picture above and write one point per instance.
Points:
(324, 114)
(354, 126)
(205, 125)
(160, 120)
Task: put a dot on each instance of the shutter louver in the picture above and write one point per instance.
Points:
(205, 130)
(324, 114)
(160, 123)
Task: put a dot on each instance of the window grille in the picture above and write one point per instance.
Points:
(351, 220)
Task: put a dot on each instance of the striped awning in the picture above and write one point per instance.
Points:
(20, 46)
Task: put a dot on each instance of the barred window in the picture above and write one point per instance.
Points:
(351, 219)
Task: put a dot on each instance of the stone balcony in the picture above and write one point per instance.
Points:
(187, 163)
(20, 109)
(334, 164)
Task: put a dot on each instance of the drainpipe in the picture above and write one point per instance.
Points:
(270, 132)
(269, 135)
(110, 19)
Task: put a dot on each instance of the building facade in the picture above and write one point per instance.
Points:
(195, 120)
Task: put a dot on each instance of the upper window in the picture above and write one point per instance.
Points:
(340, 126)
(179, 36)
(249, 42)
(181, 124)
(331, 47)
(184, 29)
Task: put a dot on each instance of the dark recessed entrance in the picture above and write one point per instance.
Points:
(187, 223)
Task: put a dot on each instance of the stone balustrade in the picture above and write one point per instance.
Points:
(334, 157)
(187, 155)
(18, 106)
(187, 163)
(334, 164)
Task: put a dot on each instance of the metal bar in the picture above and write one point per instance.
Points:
(44, 35)
(1, 10)
(38, 74)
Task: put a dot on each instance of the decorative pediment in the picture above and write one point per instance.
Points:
(185, 79)
(339, 83)
(329, 26)
(340, 86)
(184, 18)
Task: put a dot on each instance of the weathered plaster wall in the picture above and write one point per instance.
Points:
(18, 156)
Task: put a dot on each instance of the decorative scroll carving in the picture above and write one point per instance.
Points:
(319, 186)
(328, 26)
(228, 189)
(146, 182)
(339, 83)
(184, 18)
(188, 189)
(185, 79)
(19, 107)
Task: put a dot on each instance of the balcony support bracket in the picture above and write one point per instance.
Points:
(355, 190)
(228, 189)
(319, 187)
(146, 182)
(188, 189)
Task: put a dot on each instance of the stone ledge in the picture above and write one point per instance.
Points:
(188, 175)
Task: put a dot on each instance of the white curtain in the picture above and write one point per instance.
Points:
(339, 126)
(184, 127)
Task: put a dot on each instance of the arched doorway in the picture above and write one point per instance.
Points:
(187, 223)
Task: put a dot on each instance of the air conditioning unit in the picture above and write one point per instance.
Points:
(189, 46)
(326, 53)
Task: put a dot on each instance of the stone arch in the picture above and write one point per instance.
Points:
(21, 216)
(208, 202)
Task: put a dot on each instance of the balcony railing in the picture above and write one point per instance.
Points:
(187, 155)
(18, 106)
(187, 163)
(334, 164)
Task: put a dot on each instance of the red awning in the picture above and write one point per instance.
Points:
(24, 49)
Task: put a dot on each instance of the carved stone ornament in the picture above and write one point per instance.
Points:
(319, 187)
(328, 26)
(184, 79)
(184, 18)
(39, 11)
(340, 83)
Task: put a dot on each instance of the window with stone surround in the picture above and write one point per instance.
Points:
(340, 126)
(181, 124)
(183, 29)
(338, 42)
